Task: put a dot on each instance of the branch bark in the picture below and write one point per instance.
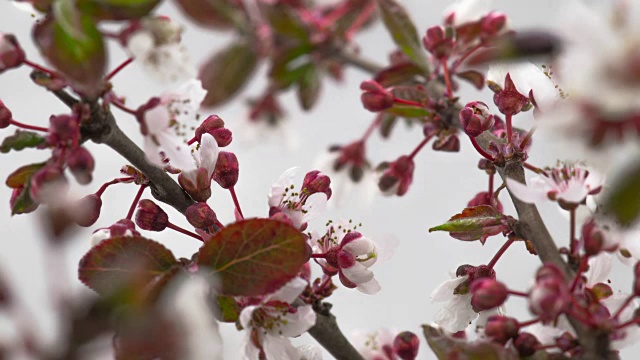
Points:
(328, 334)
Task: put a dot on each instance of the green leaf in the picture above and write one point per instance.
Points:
(23, 203)
(285, 22)
(447, 348)
(475, 223)
(623, 200)
(281, 72)
(124, 262)
(408, 111)
(229, 309)
(398, 74)
(403, 32)
(117, 9)
(309, 87)
(22, 175)
(224, 75)
(72, 43)
(217, 14)
(254, 257)
(21, 140)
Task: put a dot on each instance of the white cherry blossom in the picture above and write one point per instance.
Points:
(527, 78)
(375, 345)
(205, 157)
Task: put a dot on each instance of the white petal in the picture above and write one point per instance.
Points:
(575, 192)
(248, 351)
(193, 92)
(533, 193)
(245, 316)
(207, 154)
(177, 151)
(152, 151)
(315, 205)
(456, 314)
(310, 352)
(298, 323)
(360, 246)
(279, 348)
(289, 292)
(444, 291)
(599, 269)
(140, 44)
(99, 235)
(358, 273)
(278, 188)
(157, 120)
(370, 287)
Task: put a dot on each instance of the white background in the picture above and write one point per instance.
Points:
(443, 184)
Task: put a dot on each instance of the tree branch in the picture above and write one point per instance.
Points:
(328, 334)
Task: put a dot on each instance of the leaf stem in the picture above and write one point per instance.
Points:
(419, 147)
(27, 126)
(40, 68)
(184, 231)
(447, 78)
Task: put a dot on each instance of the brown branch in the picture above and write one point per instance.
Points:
(328, 334)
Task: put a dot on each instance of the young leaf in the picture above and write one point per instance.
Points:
(117, 9)
(21, 140)
(254, 257)
(229, 310)
(122, 262)
(227, 72)
(23, 203)
(309, 87)
(22, 175)
(475, 223)
(446, 347)
(408, 111)
(72, 43)
(623, 200)
(216, 14)
(398, 74)
(403, 32)
(475, 78)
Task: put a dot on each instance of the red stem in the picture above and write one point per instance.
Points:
(115, 71)
(112, 182)
(40, 68)
(459, 61)
(184, 231)
(527, 138)
(232, 190)
(527, 323)
(447, 77)
(192, 141)
(27, 126)
(623, 306)
(318, 256)
(625, 324)
(509, 127)
(480, 150)
(581, 269)
(518, 293)
(122, 107)
(407, 102)
(491, 184)
(419, 147)
(135, 202)
(535, 169)
(360, 20)
(572, 232)
(376, 122)
(501, 251)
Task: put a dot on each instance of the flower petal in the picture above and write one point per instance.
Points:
(533, 193)
(358, 273)
(314, 206)
(468, 10)
(278, 347)
(298, 323)
(289, 292)
(444, 291)
(310, 352)
(599, 269)
(370, 287)
(207, 154)
(456, 314)
(245, 316)
(360, 246)
(277, 192)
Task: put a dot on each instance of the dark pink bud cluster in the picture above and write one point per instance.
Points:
(397, 176)
(473, 273)
(508, 100)
(487, 294)
(64, 130)
(353, 157)
(475, 118)
(493, 24)
(439, 41)
(150, 216)
(227, 170)
(550, 295)
(406, 345)
(214, 125)
(526, 344)
(11, 54)
(5, 116)
(501, 328)
(594, 239)
(375, 97)
(201, 216)
(316, 182)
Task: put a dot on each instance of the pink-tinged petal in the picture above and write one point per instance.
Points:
(248, 351)
(632, 333)
(370, 287)
(152, 151)
(310, 352)
(314, 206)
(157, 120)
(298, 323)
(599, 269)
(277, 192)
(289, 292)
(207, 154)
(594, 180)
(360, 246)
(278, 347)
(191, 93)
(444, 291)
(296, 217)
(358, 273)
(533, 193)
(528, 77)
(245, 316)
(178, 152)
(456, 314)
(575, 192)
(468, 10)
(372, 257)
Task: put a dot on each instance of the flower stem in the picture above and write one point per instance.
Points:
(232, 190)
(625, 324)
(419, 147)
(527, 323)
(509, 127)
(112, 182)
(447, 77)
(491, 176)
(376, 122)
(407, 102)
(360, 20)
(535, 169)
(27, 126)
(518, 293)
(122, 107)
(462, 58)
(501, 251)
(190, 142)
(572, 232)
(623, 306)
(578, 275)
(40, 68)
(184, 231)
(115, 71)
(318, 256)
(135, 202)
(480, 150)
(335, 14)
(527, 138)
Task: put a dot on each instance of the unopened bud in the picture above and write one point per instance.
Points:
(592, 238)
(567, 342)
(227, 170)
(439, 41)
(5, 116)
(214, 125)
(508, 100)
(316, 182)
(448, 143)
(487, 294)
(484, 198)
(200, 190)
(63, 129)
(406, 345)
(501, 328)
(11, 54)
(150, 216)
(81, 164)
(549, 297)
(475, 118)
(526, 344)
(375, 97)
(492, 24)
(89, 210)
(200, 215)
(397, 178)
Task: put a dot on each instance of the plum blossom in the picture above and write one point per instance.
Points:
(456, 314)
(376, 345)
(162, 120)
(346, 252)
(205, 157)
(156, 43)
(298, 207)
(269, 324)
(570, 184)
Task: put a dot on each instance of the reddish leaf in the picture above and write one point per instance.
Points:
(398, 74)
(254, 257)
(217, 14)
(475, 223)
(446, 347)
(117, 9)
(474, 77)
(122, 262)
(21, 176)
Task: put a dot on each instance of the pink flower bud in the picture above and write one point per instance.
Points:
(483, 198)
(200, 215)
(227, 171)
(150, 216)
(592, 238)
(201, 189)
(492, 24)
(5, 116)
(487, 294)
(62, 129)
(508, 100)
(375, 97)
(81, 164)
(567, 342)
(448, 143)
(526, 344)
(123, 226)
(549, 297)
(406, 345)
(475, 118)
(439, 42)
(501, 328)
(316, 182)
(397, 178)
(11, 54)
(214, 125)
(90, 206)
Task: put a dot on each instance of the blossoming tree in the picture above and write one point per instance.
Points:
(256, 272)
